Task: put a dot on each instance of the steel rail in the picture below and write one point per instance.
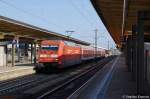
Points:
(68, 82)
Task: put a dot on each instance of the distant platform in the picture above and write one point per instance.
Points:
(8, 72)
(112, 82)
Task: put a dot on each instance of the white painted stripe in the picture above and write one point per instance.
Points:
(106, 81)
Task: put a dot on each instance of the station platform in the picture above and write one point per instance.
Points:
(112, 82)
(9, 72)
(121, 85)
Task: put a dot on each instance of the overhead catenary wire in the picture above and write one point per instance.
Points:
(94, 21)
(86, 10)
(31, 14)
(81, 13)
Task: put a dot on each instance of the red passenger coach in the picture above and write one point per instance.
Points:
(87, 53)
(101, 52)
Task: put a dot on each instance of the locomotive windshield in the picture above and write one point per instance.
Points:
(50, 47)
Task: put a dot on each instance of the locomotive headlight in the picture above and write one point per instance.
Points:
(43, 55)
(54, 55)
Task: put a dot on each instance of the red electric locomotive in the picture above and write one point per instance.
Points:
(57, 54)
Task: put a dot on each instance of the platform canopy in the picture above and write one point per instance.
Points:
(119, 15)
(13, 28)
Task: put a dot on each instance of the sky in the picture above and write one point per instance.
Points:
(60, 16)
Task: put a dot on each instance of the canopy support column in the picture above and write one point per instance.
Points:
(140, 54)
(13, 53)
(35, 53)
(134, 53)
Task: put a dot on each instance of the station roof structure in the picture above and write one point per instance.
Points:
(11, 27)
(118, 16)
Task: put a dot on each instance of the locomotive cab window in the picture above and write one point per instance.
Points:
(50, 47)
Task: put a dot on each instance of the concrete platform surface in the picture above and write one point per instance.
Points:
(112, 82)
(16, 71)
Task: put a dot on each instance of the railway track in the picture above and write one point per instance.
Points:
(18, 79)
(25, 83)
(62, 91)
(49, 86)
(19, 85)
